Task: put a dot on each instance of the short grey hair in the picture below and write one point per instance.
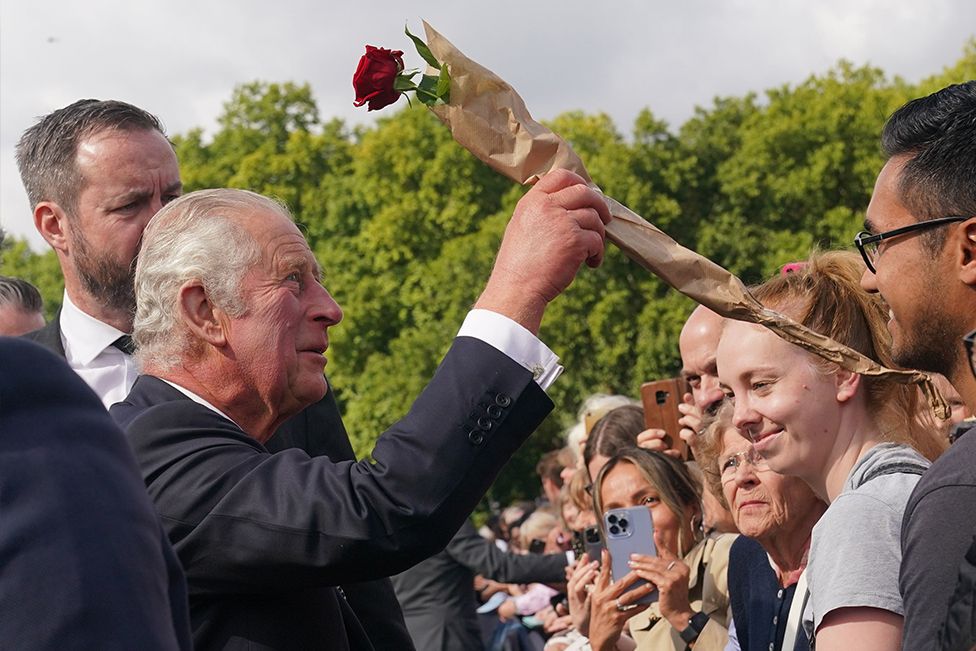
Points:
(193, 238)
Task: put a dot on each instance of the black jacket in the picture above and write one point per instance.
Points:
(262, 537)
(84, 563)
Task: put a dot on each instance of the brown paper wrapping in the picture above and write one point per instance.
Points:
(488, 118)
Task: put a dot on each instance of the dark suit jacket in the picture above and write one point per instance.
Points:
(84, 563)
(318, 431)
(437, 596)
(261, 536)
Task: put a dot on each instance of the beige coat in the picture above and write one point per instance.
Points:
(708, 591)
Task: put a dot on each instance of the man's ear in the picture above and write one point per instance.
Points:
(200, 316)
(965, 242)
(847, 384)
(50, 221)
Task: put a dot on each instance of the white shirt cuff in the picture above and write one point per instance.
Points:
(515, 341)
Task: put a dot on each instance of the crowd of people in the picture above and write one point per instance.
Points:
(181, 477)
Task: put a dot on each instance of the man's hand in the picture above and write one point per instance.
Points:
(557, 226)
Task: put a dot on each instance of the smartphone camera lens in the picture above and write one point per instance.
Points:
(623, 523)
(614, 529)
(612, 519)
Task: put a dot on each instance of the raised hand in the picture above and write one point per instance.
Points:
(556, 227)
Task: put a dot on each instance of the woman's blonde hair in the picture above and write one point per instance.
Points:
(675, 486)
(825, 295)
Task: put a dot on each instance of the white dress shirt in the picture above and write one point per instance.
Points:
(89, 351)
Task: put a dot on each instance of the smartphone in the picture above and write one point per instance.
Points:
(537, 546)
(592, 543)
(661, 399)
(629, 531)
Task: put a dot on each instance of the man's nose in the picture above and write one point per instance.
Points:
(869, 281)
(325, 308)
(709, 393)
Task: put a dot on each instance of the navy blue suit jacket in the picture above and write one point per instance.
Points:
(262, 536)
(84, 563)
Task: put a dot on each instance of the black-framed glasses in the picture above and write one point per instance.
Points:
(968, 341)
(867, 243)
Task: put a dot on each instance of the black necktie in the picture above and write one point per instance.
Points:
(124, 343)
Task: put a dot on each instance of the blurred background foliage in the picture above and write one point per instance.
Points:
(406, 224)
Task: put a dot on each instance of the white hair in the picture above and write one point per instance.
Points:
(594, 407)
(194, 238)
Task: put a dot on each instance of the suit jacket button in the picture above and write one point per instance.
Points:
(494, 411)
(502, 400)
(484, 423)
(476, 437)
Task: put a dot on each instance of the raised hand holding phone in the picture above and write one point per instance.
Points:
(629, 531)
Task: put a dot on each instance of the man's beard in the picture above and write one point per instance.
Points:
(109, 282)
(934, 343)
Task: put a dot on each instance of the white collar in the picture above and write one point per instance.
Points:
(84, 335)
(197, 399)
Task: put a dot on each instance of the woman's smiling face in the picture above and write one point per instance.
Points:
(783, 403)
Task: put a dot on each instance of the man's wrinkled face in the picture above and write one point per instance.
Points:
(697, 343)
(280, 341)
(127, 176)
(911, 279)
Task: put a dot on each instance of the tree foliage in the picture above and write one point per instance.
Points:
(406, 223)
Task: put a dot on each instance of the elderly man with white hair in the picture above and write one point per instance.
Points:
(232, 326)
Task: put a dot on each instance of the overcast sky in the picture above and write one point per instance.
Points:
(180, 59)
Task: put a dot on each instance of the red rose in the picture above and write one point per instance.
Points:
(373, 81)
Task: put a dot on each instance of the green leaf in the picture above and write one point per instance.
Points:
(422, 49)
(403, 83)
(427, 90)
(443, 89)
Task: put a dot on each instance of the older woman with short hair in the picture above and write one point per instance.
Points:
(775, 514)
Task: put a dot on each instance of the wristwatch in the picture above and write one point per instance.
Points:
(695, 626)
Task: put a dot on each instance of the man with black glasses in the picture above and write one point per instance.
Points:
(920, 250)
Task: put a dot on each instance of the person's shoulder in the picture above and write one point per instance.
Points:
(716, 547)
(955, 467)
(154, 409)
(31, 370)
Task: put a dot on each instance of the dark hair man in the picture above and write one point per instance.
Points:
(95, 172)
(232, 326)
(920, 249)
(21, 307)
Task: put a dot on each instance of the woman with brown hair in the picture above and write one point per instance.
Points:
(858, 442)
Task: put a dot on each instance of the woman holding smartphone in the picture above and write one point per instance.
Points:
(854, 439)
(688, 572)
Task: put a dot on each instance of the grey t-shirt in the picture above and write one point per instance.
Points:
(855, 551)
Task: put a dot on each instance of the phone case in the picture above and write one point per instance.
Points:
(660, 400)
(593, 543)
(629, 531)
